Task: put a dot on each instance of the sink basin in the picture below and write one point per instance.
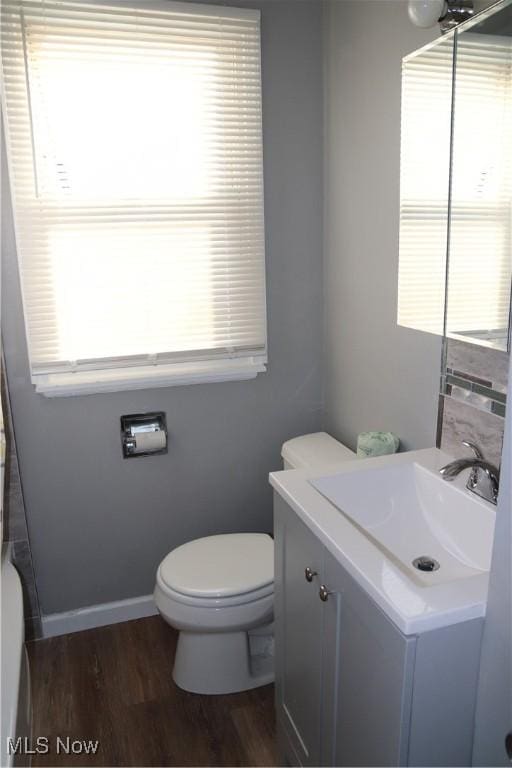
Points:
(410, 512)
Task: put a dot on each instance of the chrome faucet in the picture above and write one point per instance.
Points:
(484, 479)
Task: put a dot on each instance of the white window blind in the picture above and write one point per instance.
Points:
(135, 151)
(479, 247)
(480, 250)
(424, 186)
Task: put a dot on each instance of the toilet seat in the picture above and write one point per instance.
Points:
(215, 602)
(219, 615)
(219, 570)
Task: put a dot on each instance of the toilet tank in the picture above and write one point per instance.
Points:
(317, 450)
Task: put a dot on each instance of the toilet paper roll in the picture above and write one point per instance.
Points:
(377, 443)
(147, 442)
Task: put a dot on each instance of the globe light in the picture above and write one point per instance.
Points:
(426, 13)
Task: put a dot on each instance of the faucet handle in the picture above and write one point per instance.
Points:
(476, 450)
(473, 478)
(488, 475)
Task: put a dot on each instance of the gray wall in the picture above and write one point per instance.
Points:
(98, 524)
(377, 375)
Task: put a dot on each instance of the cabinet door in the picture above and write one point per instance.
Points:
(298, 637)
(367, 676)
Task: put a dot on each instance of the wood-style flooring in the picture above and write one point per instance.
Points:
(114, 684)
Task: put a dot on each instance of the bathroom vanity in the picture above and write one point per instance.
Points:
(373, 665)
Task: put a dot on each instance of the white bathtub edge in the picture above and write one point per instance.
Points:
(13, 638)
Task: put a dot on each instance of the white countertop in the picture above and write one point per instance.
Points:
(413, 607)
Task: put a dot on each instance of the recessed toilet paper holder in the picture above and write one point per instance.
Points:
(143, 434)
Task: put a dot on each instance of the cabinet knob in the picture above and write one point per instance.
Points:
(324, 593)
(308, 573)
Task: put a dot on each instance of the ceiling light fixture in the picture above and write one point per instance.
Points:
(448, 13)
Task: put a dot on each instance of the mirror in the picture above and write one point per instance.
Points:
(455, 271)
(427, 84)
(480, 247)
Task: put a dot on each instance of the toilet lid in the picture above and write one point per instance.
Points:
(220, 566)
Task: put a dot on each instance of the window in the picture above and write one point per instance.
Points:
(135, 150)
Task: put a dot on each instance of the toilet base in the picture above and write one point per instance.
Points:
(219, 662)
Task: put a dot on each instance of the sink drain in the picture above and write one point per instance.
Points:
(426, 563)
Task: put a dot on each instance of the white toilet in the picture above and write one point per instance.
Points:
(218, 592)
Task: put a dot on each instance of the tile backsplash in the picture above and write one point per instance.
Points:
(473, 399)
(464, 422)
(486, 364)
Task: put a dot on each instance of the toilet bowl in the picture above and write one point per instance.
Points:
(218, 591)
(214, 590)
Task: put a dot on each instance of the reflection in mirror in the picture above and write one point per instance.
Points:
(480, 247)
(455, 268)
(424, 185)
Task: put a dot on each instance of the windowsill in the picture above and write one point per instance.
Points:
(69, 384)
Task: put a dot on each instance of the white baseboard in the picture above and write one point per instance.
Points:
(54, 624)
